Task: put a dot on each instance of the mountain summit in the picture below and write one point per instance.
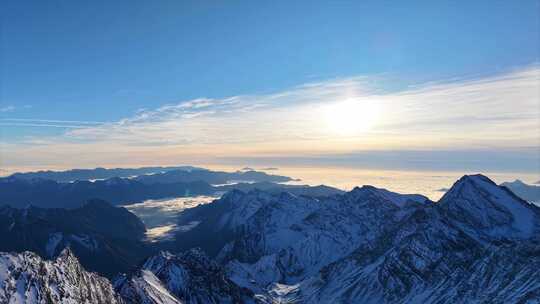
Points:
(476, 202)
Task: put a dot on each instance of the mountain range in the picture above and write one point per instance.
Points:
(19, 191)
(212, 177)
(51, 194)
(479, 243)
(97, 173)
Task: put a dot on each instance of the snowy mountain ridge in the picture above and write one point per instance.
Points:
(27, 278)
(479, 244)
(190, 277)
(372, 245)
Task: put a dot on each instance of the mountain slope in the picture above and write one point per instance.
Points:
(305, 233)
(26, 278)
(50, 194)
(106, 239)
(190, 277)
(478, 244)
(143, 287)
(475, 202)
(374, 246)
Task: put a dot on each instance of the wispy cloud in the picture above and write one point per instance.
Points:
(7, 109)
(500, 111)
(479, 110)
(51, 123)
(46, 125)
(12, 108)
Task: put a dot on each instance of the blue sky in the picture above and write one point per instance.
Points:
(71, 64)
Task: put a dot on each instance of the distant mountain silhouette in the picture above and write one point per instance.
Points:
(19, 192)
(50, 194)
(527, 192)
(211, 177)
(98, 173)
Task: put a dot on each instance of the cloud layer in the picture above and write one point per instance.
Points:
(496, 112)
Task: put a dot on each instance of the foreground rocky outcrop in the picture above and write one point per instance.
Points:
(27, 278)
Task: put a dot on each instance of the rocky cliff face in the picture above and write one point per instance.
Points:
(27, 278)
(190, 277)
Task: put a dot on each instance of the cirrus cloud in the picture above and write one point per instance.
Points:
(495, 112)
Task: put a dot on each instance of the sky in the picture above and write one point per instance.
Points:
(411, 85)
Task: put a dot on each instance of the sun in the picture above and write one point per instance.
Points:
(351, 116)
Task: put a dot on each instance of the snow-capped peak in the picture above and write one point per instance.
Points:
(478, 202)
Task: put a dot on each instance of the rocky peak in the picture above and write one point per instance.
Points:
(189, 277)
(26, 278)
(370, 193)
(476, 202)
(67, 256)
(194, 259)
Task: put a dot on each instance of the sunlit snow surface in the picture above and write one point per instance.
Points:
(160, 216)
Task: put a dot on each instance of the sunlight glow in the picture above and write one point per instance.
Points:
(351, 116)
